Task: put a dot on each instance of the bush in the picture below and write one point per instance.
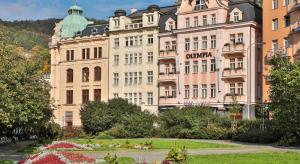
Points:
(251, 131)
(73, 132)
(177, 155)
(103, 136)
(194, 123)
(50, 131)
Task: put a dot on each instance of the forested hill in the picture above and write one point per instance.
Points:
(39, 26)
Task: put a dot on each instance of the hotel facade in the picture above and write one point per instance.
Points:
(194, 52)
(281, 35)
(210, 54)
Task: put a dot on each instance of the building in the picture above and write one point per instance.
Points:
(79, 66)
(134, 51)
(210, 54)
(281, 34)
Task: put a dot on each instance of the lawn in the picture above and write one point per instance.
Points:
(255, 158)
(157, 143)
(6, 162)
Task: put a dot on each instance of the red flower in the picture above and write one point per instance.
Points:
(49, 159)
(62, 146)
(77, 158)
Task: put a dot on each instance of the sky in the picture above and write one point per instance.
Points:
(42, 9)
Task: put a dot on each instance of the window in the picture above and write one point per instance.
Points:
(69, 119)
(204, 91)
(117, 23)
(140, 58)
(187, 44)
(275, 24)
(140, 98)
(150, 57)
(135, 58)
(98, 52)
(187, 22)
(173, 92)
(240, 38)
(167, 69)
(85, 96)
(150, 77)
(69, 97)
(232, 89)
(232, 63)
(187, 67)
(150, 39)
(85, 53)
(236, 17)
(275, 45)
(168, 46)
(186, 91)
(240, 63)
(97, 94)
(213, 19)
(135, 98)
(274, 4)
(116, 95)
(195, 66)
(140, 77)
(70, 55)
(195, 91)
(117, 43)
(150, 98)
(174, 47)
(195, 43)
(232, 39)
(174, 68)
(213, 41)
(150, 18)
(213, 90)
(130, 59)
(116, 78)
(141, 40)
(135, 78)
(204, 66)
(130, 98)
(167, 91)
(212, 65)
(97, 72)
(127, 41)
(196, 22)
(200, 5)
(130, 78)
(286, 43)
(131, 41)
(204, 19)
(286, 2)
(204, 42)
(70, 76)
(240, 89)
(287, 21)
(171, 26)
(126, 78)
(116, 59)
(85, 74)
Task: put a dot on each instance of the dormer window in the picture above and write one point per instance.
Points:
(236, 17)
(150, 18)
(200, 5)
(171, 26)
(94, 31)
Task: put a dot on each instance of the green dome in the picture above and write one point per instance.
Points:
(75, 22)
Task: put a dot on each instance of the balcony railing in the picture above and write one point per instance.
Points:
(229, 98)
(133, 26)
(200, 7)
(167, 54)
(168, 77)
(164, 100)
(237, 48)
(272, 53)
(234, 73)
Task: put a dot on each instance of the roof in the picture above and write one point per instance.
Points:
(251, 10)
(164, 18)
(94, 30)
(163, 10)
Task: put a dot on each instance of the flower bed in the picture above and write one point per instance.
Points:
(65, 146)
(57, 158)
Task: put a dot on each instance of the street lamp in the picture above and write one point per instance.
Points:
(249, 75)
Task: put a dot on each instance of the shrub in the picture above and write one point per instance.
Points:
(194, 123)
(103, 136)
(111, 159)
(51, 131)
(73, 132)
(251, 131)
(177, 154)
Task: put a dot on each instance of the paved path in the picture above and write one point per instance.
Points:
(10, 151)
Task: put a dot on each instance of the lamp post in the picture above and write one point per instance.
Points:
(249, 75)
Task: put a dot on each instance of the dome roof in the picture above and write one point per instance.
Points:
(73, 23)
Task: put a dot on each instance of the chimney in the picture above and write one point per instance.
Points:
(133, 10)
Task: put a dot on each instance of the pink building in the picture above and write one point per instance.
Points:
(210, 54)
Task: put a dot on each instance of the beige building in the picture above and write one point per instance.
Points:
(134, 51)
(79, 66)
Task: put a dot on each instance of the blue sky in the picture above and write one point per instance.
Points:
(41, 9)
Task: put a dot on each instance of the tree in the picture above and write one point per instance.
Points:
(285, 94)
(25, 106)
(234, 109)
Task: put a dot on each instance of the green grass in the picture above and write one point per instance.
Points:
(157, 143)
(6, 162)
(255, 158)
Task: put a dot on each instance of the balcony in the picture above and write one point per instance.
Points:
(200, 7)
(230, 73)
(294, 6)
(237, 48)
(167, 54)
(229, 98)
(278, 52)
(133, 26)
(168, 100)
(295, 28)
(168, 77)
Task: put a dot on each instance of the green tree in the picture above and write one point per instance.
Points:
(234, 110)
(24, 100)
(285, 94)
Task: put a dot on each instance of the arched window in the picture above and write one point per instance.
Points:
(97, 72)
(85, 74)
(69, 76)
